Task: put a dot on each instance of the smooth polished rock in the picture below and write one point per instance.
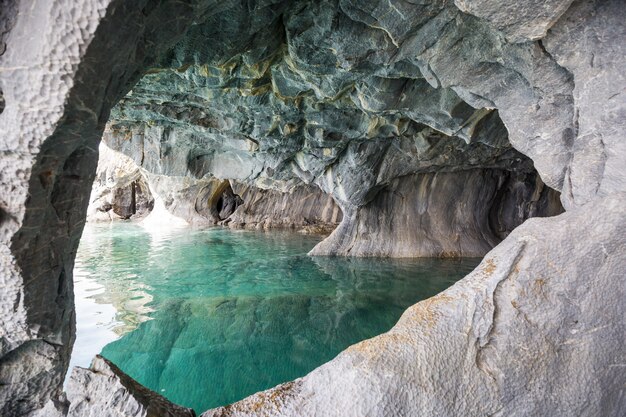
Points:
(103, 390)
(442, 214)
(306, 209)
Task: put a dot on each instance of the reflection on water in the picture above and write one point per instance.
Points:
(207, 317)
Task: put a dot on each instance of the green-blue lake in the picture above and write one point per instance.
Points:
(207, 317)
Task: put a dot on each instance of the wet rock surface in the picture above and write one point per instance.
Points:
(103, 390)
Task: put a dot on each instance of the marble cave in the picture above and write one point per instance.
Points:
(324, 163)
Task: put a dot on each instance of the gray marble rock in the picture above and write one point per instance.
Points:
(388, 91)
(104, 390)
(359, 70)
(442, 214)
(120, 191)
(305, 209)
(520, 21)
(350, 96)
(65, 64)
(589, 41)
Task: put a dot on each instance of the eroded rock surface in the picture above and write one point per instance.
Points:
(64, 66)
(123, 190)
(120, 191)
(305, 208)
(386, 92)
(462, 213)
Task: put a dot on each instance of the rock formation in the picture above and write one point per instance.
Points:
(305, 208)
(437, 128)
(117, 394)
(120, 190)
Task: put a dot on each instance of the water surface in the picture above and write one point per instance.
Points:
(207, 317)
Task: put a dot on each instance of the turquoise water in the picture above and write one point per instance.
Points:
(207, 317)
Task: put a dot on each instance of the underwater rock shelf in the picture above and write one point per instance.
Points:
(207, 317)
(393, 129)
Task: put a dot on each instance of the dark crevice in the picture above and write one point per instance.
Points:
(520, 197)
(227, 203)
(131, 201)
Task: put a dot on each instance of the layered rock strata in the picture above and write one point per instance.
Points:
(122, 190)
(306, 209)
(464, 213)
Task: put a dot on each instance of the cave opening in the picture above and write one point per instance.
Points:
(420, 229)
(2, 102)
(227, 203)
(120, 190)
(399, 153)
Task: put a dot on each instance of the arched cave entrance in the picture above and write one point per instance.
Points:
(227, 203)
(81, 69)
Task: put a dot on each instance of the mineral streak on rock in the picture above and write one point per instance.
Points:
(359, 98)
(463, 213)
(123, 190)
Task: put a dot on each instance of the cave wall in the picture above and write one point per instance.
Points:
(123, 190)
(371, 103)
(64, 66)
(554, 74)
(120, 191)
(305, 209)
(442, 214)
(291, 187)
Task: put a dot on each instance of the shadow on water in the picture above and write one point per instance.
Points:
(207, 317)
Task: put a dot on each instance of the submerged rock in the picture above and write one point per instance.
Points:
(104, 390)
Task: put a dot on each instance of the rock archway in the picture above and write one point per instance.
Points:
(553, 285)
